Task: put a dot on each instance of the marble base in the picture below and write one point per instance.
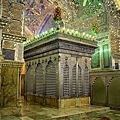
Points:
(59, 103)
(10, 83)
(74, 102)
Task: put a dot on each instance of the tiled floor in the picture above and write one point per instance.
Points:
(36, 112)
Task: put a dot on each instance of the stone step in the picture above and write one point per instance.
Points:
(81, 113)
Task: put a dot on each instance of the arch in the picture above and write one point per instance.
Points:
(74, 81)
(86, 82)
(30, 79)
(50, 81)
(99, 92)
(39, 79)
(93, 78)
(66, 89)
(114, 92)
(80, 87)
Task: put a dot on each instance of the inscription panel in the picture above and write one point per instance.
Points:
(58, 45)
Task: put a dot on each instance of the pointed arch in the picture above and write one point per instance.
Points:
(114, 92)
(98, 92)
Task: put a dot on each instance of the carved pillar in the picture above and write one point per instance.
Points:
(44, 75)
(77, 84)
(56, 62)
(18, 87)
(60, 77)
(19, 52)
(60, 80)
(70, 76)
(26, 68)
(90, 79)
(20, 80)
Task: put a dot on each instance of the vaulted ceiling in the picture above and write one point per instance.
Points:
(76, 14)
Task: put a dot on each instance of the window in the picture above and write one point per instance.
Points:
(50, 79)
(39, 79)
(30, 79)
(86, 81)
(80, 86)
(66, 89)
(74, 82)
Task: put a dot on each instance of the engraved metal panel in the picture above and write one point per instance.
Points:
(86, 81)
(74, 81)
(66, 81)
(50, 79)
(39, 79)
(80, 87)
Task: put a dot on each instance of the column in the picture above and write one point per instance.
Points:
(19, 52)
(44, 84)
(18, 88)
(76, 76)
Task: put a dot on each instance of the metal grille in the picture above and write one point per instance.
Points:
(86, 81)
(50, 79)
(74, 81)
(30, 79)
(80, 87)
(66, 81)
(39, 79)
